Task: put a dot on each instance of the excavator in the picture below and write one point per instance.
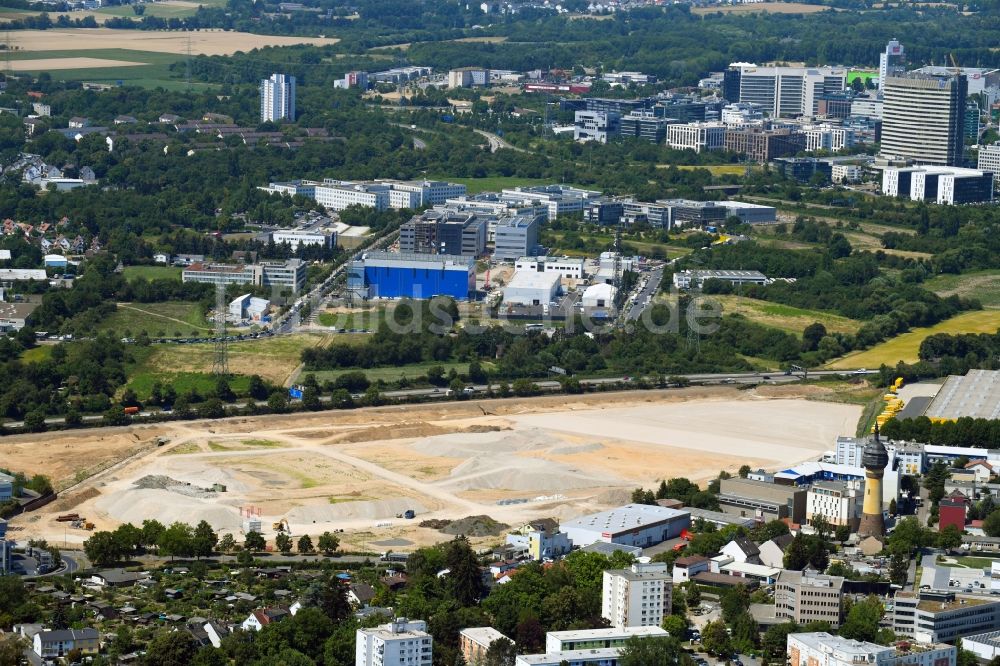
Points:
(281, 526)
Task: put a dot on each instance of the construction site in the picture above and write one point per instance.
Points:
(378, 473)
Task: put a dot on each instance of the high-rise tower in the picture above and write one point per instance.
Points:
(923, 118)
(892, 62)
(874, 459)
(277, 98)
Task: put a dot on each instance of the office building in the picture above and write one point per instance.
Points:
(688, 213)
(516, 236)
(935, 617)
(697, 136)
(980, 81)
(692, 279)
(739, 114)
(835, 105)
(801, 169)
(923, 118)
(827, 137)
(469, 77)
(836, 502)
(625, 78)
(298, 237)
(531, 288)
(762, 145)
(644, 125)
(783, 91)
(398, 275)
(989, 160)
(845, 173)
(277, 98)
(475, 642)
(763, 501)
(401, 642)
(891, 62)
(222, 273)
(869, 105)
(289, 274)
(656, 215)
(823, 649)
(632, 525)
(942, 185)
(444, 231)
(596, 126)
(378, 194)
(353, 80)
(639, 596)
(606, 212)
(750, 213)
(570, 268)
(591, 639)
(972, 117)
(805, 596)
(556, 200)
(620, 106)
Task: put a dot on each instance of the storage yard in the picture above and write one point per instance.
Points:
(511, 460)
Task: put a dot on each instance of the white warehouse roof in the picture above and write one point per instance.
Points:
(624, 518)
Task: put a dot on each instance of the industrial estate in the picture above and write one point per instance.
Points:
(499, 334)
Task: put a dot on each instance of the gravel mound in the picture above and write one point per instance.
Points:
(138, 504)
(374, 510)
(475, 526)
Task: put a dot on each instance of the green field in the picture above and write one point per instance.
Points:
(982, 285)
(275, 359)
(905, 347)
(36, 354)
(172, 319)
(151, 9)
(152, 272)
(368, 320)
(202, 382)
(156, 71)
(393, 373)
(785, 317)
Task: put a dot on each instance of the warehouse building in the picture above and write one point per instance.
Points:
(976, 394)
(532, 288)
(763, 501)
(398, 275)
(598, 296)
(633, 525)
(570, 268)
(15, 316)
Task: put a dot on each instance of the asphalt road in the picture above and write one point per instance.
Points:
(645, 297)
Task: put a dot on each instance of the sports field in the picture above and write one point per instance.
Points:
(905, 347)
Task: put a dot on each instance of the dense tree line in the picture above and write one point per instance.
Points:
(965, 431)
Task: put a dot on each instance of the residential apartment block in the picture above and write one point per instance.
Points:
(637, 597)
(401, 642)
(803, 597)
(475, 642)
(277, 98)
(836, 502)
(591, 639)
(60, 642)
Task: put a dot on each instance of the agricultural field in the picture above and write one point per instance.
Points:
(905, 347)
(784, 317)
(172, 319)
(760, 7)
(275, 359)
(714, 169)
(984, 285)
(110, 65)
(152, 272)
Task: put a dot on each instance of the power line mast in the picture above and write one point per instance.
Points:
(187, 68)
(220, 366)
(617, 270)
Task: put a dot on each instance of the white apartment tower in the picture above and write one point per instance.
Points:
(637, 597)
(401, 642)
(891, 62)
(277, 98)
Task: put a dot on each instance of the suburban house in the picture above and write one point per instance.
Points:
(772, 553)
(686, 568)
(262, 617)
(116, 578)
(360, 594)
(982, 469)
(58, 643)
(743, 550)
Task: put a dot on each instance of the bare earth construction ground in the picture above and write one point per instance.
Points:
(552, 456)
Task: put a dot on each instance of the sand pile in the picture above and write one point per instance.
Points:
(475, 526)
(374, 510)
(138, 504)
(522, 474)
(410, 429)
(160, 482)
(495, 443)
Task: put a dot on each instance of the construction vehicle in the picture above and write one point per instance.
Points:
(281, 526)
(68, 517)
(131, 411)
(89, 526)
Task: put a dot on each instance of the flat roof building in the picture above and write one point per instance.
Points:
(783, 91)
(938, 184)
(936, 617)
(532, 288)
(475, 642)
(640, 596)
(401, 642)
(595, 657)
(822, 649)
(763, 501)
(923, 118)
(633, 524)
(398, 275)
(516, 236)
(804, 597)
(589, 639)
(975, 394)
(689, 279)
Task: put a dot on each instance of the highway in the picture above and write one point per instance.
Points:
(497, 143)
(548, 385)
